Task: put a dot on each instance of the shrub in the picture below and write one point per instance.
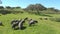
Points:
(55, 19)
(1, 7)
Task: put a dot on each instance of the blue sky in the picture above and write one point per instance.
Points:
(25, 3)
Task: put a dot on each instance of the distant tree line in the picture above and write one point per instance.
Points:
(8, 10)
(32, 8)
(39, 8)
(8, 7)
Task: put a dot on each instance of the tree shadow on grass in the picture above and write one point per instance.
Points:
(44, 15)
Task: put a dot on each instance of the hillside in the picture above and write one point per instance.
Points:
(42, 27)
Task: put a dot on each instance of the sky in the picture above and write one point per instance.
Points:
(25, 3)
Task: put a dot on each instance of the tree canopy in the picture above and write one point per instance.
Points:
(37, 7)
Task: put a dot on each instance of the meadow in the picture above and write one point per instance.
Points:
(42, 27)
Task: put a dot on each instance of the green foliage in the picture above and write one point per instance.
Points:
(55, 19)
(8, 7)
(37, 7)
(9, 11)
(32, 8)
(17, 7)
(1, 7)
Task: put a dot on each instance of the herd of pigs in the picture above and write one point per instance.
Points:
(18, 24)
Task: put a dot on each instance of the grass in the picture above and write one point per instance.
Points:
(42, 27)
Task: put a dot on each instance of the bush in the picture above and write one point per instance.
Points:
(5, 12)
(8, 7)
(55, 19)
(1, 7)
